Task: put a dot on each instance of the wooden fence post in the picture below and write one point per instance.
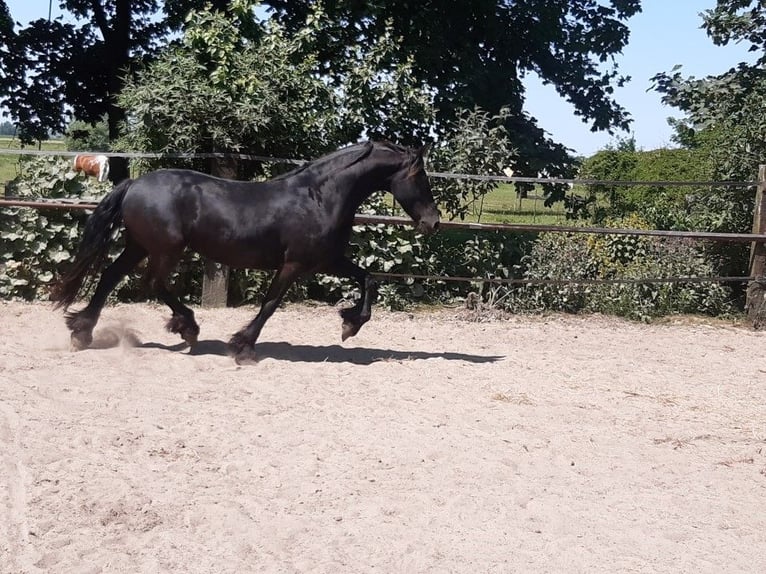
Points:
(756, 290)
(215, 282)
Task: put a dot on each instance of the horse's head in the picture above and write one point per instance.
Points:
(411, 188)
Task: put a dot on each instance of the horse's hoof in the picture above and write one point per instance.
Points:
(190, 337)
(349, 330)
(242, 350)
(244, 356)
(184, 326)
(80, 341)
(247, 358)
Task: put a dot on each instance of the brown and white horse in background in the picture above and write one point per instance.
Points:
(94, 165)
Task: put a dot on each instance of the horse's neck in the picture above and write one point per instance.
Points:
(358, 187)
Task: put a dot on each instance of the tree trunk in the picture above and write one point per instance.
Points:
(117, 41)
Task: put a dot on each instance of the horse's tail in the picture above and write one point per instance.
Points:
(91, 254)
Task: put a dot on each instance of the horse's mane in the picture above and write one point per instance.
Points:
(357, 152)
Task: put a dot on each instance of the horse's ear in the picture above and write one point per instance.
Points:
(424, 151)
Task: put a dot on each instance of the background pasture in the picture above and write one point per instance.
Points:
(9, 164)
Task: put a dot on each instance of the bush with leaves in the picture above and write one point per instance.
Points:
(577, 256)
(34, 243)
(553, 256)
(82, 136)
(476, 143)
(664, 207)
(217, 91)
(232, 84)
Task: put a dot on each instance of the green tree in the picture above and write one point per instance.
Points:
(10, 59)
(7, 129)
(56, 70)
(83, 136)
(477, 53)
(219, 91)
(475, 143)
(614, 163)
(724, 114)
(662, 206)
(470, 54)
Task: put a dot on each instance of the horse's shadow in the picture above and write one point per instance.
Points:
(283, 351)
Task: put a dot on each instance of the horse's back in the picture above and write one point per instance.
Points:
(180, 189)
(178, 198)
(167, 210)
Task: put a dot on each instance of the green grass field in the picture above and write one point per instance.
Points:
(9, 164)
(503, 206)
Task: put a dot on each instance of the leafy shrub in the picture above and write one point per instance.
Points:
(478, 144)
(554, 256)
(663, 259)
(664, 207)
(82, 136)
(35, 242)
(612, 257)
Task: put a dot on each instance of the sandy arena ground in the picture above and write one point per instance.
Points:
(425, 444)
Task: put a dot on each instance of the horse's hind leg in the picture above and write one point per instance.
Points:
(82, 323)
(182, 321)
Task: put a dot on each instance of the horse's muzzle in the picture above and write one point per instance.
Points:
(428, 225)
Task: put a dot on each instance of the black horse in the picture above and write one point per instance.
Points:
(298, 223)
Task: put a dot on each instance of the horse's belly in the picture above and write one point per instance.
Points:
(247, 254)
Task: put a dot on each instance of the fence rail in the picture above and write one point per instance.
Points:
(509, 281)
(362, 219)
(436, 174)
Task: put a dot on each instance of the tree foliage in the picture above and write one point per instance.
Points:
(11, 60)
(476, 142)
(472, 54)
(724, 117)
(76, 65)
(218, 90)
(477, 53)
(662, 206)
(83, 136)
(725, 112)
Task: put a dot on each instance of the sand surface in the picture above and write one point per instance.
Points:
(427, 443)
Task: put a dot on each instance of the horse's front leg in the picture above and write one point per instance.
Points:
(242, 343)
(356, 316)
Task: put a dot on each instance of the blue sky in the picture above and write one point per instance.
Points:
(666, 33)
